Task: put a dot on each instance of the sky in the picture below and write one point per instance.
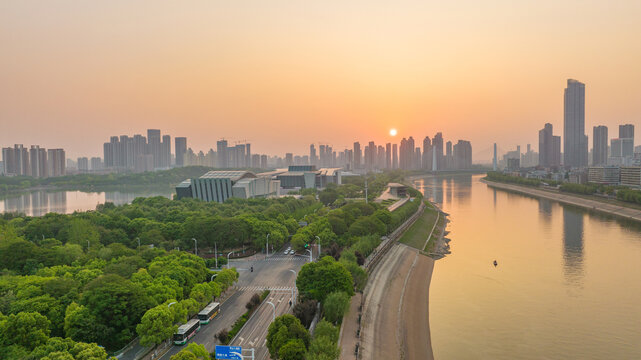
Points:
(282, 74)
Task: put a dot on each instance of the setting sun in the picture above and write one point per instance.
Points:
(392, 132)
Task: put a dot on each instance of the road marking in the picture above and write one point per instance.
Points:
(241, 341)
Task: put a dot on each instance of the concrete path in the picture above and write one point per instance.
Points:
(617, 210)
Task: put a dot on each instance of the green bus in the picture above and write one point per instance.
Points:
(209, 312)
(186, 332)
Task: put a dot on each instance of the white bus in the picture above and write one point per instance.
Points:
(186, 332)
(209, 312)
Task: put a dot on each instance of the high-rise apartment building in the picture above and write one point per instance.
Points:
(56, 162)
(599, 145)
(223, 156)
(437, 152)
(357, 155)
(626, 134)
(388, 156)
(463, 155)
(312, 155)
(549, 147)
(426, 162)
(394, 156)
(575, 142)
(83, 164)
(181, 150)
(38, 161)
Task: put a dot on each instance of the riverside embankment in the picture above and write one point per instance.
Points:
(391, 320)
(594, 205)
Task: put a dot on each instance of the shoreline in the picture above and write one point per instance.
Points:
(568, 199)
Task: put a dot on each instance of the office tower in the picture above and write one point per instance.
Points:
(575, 142)
(56, 162)
(626, 134)
(616, 148)
(549, 147)
(83, 164)
(402, 156)
(426, 162)
(165, 152)
(388, 156)
(222, 153)
(96, 164)
(357, 155)
(411, 146)
(437, 151)
(154, 146)
(263, 161)
(463, 155)
(599, 145)
(394, 156)
(312, 155)
(181, 150)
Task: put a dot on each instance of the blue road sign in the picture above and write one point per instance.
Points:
(229, 352)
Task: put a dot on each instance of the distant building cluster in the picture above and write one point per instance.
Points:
(34, 161)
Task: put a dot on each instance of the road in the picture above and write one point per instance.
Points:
(395, 322)
(271, 272)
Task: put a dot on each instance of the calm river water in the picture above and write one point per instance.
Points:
(38, 203)
(567, 284)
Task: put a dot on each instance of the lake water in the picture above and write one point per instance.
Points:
(38, 203)
(567, 284)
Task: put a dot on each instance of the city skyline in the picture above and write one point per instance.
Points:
(224, 71)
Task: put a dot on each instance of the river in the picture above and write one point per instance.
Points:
(567, 284)
(38, 203)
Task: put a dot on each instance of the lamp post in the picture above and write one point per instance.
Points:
(293, 295)
(267, 247)
(216, 251)
(228, 259)
(196, 248)
(319, 245)
(88, 245)
(310, 255)
(274, 307)
(170, 304)
(212, 277)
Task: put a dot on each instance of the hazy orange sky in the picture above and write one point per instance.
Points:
(284, 74)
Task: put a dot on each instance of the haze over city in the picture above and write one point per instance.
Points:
(284, 74)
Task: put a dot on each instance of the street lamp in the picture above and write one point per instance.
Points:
(196, 248)
(310, 255)
(212, 277)
(170, 304)
(273, 306)
(88, 245)
(267, 246)
(293, 295)
(228, 259)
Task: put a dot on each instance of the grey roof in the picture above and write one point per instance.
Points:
(233, 175)
(184, 184)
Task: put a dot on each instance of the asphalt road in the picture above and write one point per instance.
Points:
(271, 272)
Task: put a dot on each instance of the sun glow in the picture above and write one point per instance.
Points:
(392, 132)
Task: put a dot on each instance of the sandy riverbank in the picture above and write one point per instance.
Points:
(595, 205)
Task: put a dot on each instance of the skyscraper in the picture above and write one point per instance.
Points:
(221, 151)
(312, 155)
(549, 147)
(463, 155)
(394, 156)
(153, 139)
(437, 151)
(388, 156)
(599, 145)
(357, 155)
(575, 142)
(427, 154)
(181, 150)
(626, 134)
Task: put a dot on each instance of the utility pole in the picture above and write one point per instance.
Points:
(216, 251)
(196, 248)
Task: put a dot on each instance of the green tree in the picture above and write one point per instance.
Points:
(335, 306)
(293, 350)
(156, 325)
(81, 325)
(26, 329)
(316, 280)
(325, 328)
(322, 348)
(282, 330)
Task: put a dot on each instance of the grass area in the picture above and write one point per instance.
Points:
(416, 235)
(440, 225)
(388, 202)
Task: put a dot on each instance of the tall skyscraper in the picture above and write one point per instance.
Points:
(626, 131)
(312, 155)
(549, 147)
(394, 156)
(575, 142)
(494, 164)
(222, 153)
(181, 150)
(427, 154)
(388, 156)
(626, 134)
(357, 155)
(462, 155)
(56, 162)
(437, 151)
(599, 145)
(154, 146)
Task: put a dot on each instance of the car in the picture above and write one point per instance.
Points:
(286, 252)
(292, 252)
